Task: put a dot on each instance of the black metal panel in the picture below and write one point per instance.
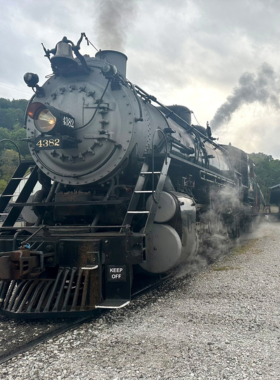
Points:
(78, 253)
(118, 288)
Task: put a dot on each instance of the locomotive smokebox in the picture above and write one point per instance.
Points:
(114, 58)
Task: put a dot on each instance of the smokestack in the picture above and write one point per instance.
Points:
(114, 58)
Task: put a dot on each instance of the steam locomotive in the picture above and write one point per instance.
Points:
(126, 184)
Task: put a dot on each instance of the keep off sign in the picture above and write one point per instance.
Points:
(116, 273)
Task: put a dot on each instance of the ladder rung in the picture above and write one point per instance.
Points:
(8, 195)
(19, 178)
(143, 191)
(4, 213)
(150, 172)
(138, 212)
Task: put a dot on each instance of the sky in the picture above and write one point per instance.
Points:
(220, 58)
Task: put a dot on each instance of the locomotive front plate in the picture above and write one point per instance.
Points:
(43, 142)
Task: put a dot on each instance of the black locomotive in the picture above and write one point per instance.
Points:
(125, 186)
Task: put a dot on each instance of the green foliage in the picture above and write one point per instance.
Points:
(12, 112)
(267, 170)
(8, 163)
(3, 184)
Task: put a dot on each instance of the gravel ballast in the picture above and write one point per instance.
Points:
(222, 323)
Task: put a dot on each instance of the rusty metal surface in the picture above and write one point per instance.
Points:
(72, 290)
(17, 264)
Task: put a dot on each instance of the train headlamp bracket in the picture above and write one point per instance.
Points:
(49, 120)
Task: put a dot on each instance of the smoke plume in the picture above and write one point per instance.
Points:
(262, 87)
(114, 18)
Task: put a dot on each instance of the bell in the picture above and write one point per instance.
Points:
(63, 57)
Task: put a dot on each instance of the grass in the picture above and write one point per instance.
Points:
(241, 250)
(224, 268)
(244, 248)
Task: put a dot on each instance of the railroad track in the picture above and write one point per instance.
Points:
(67, 326)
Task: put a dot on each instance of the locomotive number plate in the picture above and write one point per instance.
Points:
(68, 121)
(47, 143)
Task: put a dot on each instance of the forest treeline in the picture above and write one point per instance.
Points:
(11, 127)
(267, 170)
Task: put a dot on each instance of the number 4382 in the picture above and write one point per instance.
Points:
(45, 143)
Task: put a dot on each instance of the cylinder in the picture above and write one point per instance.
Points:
(167, 207)
(163, 249)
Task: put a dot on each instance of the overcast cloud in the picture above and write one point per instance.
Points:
(192, 52)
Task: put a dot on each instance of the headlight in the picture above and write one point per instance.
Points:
(44, 120)
(50, 120)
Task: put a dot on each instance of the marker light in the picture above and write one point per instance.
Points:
(109, 70)
(31, 79)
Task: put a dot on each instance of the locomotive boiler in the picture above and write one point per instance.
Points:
(127, 185)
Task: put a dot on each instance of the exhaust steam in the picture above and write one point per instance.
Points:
(114, 18)
(263, 87)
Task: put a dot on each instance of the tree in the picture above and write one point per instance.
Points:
(3, 185)
(267, 170)
(8, 163)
